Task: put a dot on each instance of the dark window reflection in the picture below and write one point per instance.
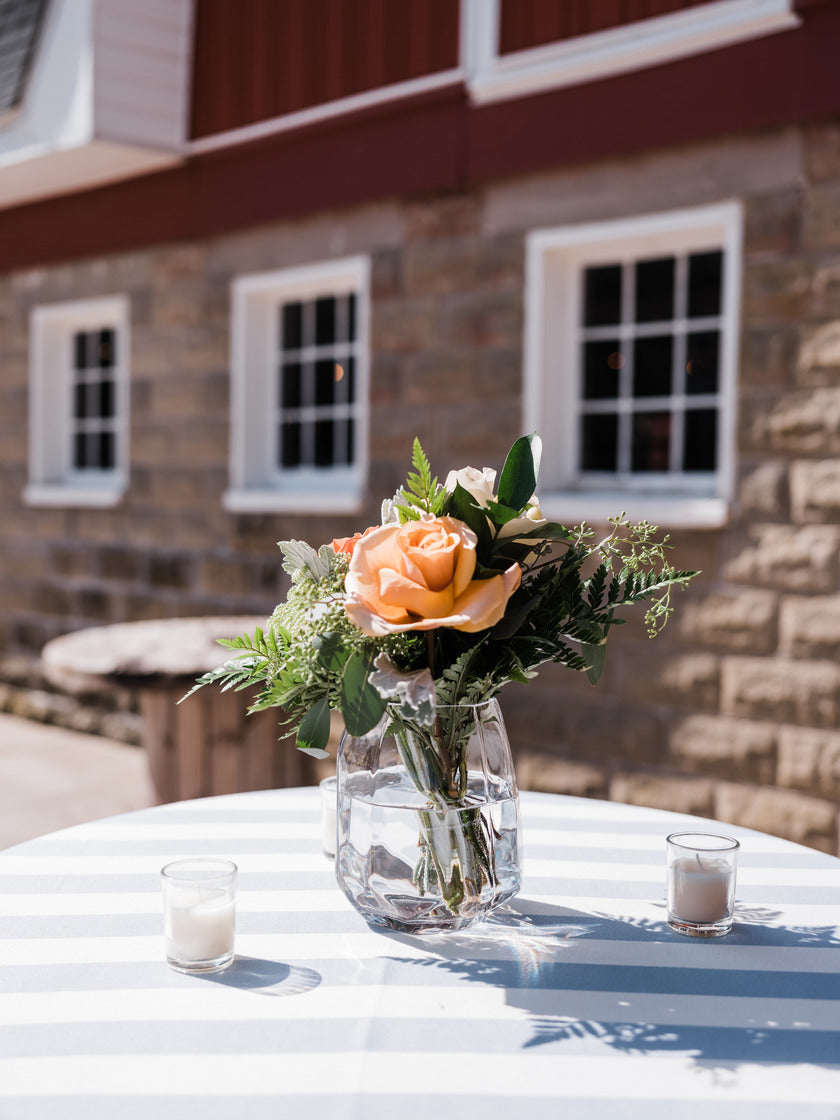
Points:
(702, 359)
(325, 374)
(651, 450)
(602, 363)
(655, 290)
(290, 444)
(292, 326)
(324, 443)
(602, 296)
(705, 271)
(324, 320)
(291, 375)
(700, 449)
(652, 364)
(599, 442)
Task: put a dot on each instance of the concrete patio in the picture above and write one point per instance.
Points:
(51, 778)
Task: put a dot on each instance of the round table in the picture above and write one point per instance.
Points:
(575, 1001)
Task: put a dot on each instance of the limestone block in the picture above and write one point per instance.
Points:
(687, 680)
(822, 151)
(604, 727)
(548, 774)
(806, 423)
(763, 489)
(777, 290)
(768, 356)
(772, 221)
(819, 354)
(782, 556)
(439, 267)
(434, 219)
(794, 816)
(723, 747)
(809, 627)
(810, 760)
(736, 619)
(763, 688)
(820, 229)
(404, 326)
(440, 376)
(815, 490)
(678, 794)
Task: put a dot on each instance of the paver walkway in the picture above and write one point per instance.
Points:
(51, 778)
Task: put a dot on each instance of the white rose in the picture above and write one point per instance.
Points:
(531, 519)
(480, 484)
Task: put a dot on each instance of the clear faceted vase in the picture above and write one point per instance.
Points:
(428, 820)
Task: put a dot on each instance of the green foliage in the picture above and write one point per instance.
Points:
(421, 494)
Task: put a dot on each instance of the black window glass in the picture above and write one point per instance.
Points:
(325, 378)
(602, 296)
(651, 441)
(324, 442)
(80, 350)
(106, 399)
(292, 326)
(350, 440)
(702, 357)
(325, 320)
(652, 360)
(80, 408)
(602, 362)
(290, 444)
(705, 272)
(106, 450)
(106, 349)
(700, 448)
(599, 442)
(345, 375)
(80, 451)
(291, 378)
(655, 290)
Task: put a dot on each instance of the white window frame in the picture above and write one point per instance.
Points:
(636, 46)
(52, 477)
(555, 260)
(257, 484)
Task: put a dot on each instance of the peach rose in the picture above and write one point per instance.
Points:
(347, 544)
(418, 576)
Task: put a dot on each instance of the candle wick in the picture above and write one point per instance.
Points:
(699, 861)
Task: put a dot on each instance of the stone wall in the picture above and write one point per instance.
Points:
(733, 712)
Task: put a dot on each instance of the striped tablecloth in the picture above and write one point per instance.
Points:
(576, 1001)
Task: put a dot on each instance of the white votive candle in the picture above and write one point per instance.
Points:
(199, 914)
(701, 883)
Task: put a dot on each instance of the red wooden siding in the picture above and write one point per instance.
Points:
(258, 59)
(534, 23)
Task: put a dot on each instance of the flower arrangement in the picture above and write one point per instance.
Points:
(462, 588)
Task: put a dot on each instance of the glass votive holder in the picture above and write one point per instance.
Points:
(199, 913)
(329, 794)
(701, 883)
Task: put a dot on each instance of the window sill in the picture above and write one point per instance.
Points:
(290, 501)
(666, 511)
(70, 496)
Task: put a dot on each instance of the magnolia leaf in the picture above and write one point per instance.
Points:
(595, 656)
(361, 705)
(314, 730)
(463, 506)
(518, 479)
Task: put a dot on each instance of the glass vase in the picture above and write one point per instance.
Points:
(428, 820)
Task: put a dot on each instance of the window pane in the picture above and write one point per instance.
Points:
(351, 316)
(106, 450)
(655, 290)
(325, 377)
(602, 362)
(602, 296)
(324, 438)
(292, 326)
(350, 445)
(324, 320)
(701, 367)
(80, 351)
(106, 400)
(704, 284)
(599, 442)
(79, 451)
(652, 358)
(345, 380)
(291, 376)
(106, 349)
(700, 452)
(290, 444)
(651, 441)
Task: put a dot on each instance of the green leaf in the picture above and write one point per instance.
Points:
(314, 730)
(518, 480)
(331, 653)
(596, 656)
(462, 505)
(361, 705)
